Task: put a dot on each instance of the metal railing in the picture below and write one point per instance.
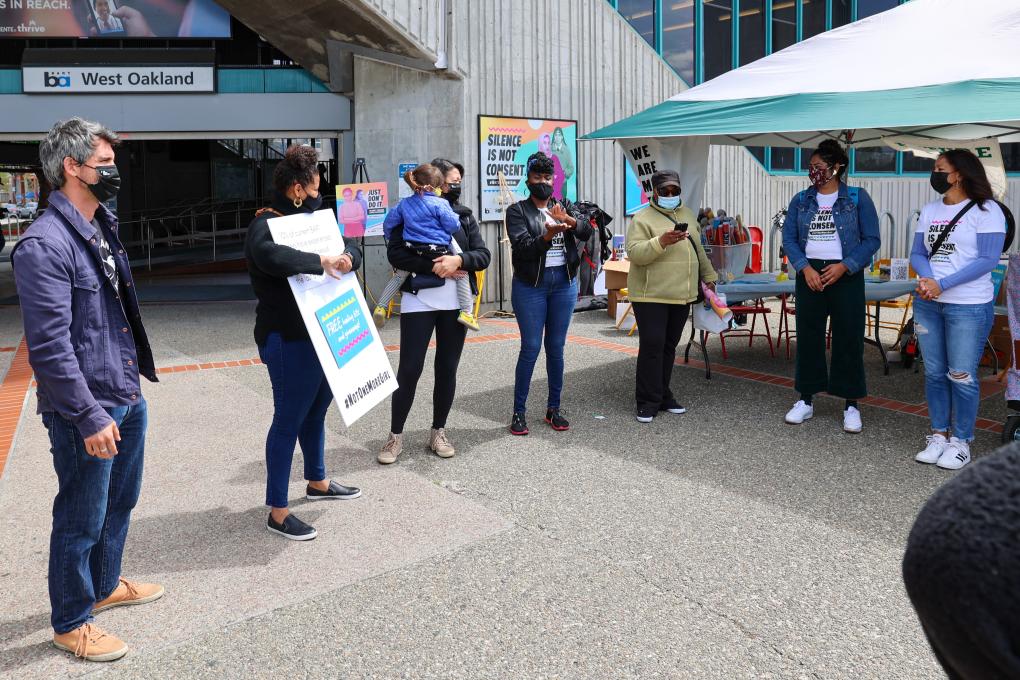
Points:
(204, 222)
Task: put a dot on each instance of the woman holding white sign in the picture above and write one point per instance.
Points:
(301, 395)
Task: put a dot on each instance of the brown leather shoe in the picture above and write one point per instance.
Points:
(91, 643)
(129, 592)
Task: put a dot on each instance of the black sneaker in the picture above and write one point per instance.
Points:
(335, 492)
(556, 419)
(292, 528)
(518, 426)
(645, 415)
(673, 406)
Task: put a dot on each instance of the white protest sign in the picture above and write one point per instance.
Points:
(337, 318)
(987, 151)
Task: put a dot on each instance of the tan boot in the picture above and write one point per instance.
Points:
(391, 449)
(91, 643)
(440, 444)
(129, 592)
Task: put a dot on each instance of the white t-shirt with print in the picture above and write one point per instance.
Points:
(823, 242)
(556, 256)
(960, 248)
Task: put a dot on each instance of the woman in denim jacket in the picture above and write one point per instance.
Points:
(830, 235)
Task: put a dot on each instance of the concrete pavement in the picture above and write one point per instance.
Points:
(717, 544)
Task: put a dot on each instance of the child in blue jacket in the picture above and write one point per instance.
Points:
(429, 224)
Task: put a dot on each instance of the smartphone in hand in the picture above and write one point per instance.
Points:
(682, 227)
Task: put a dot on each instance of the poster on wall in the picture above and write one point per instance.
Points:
(337, 318)
(361, 208)
(504, 146)
(403, 188)
(634, 195)
(120, 19)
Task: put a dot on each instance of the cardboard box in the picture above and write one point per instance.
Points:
(616, 279)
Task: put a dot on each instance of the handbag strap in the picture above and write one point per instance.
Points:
(692, 242)
(948, 228)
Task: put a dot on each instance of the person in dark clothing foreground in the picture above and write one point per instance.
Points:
(962, 570)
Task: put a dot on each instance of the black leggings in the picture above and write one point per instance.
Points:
(415, 332)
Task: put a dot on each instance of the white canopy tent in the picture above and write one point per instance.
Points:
(918, 75)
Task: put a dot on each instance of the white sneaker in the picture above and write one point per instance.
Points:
(956, 455)
(852, 420)
(799, 413)
(936, 447)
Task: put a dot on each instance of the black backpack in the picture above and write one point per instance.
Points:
(1010, 225)
(600, 220)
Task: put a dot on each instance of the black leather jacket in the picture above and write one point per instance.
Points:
(473, 251)
(525, 225)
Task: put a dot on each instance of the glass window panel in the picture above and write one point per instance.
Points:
(1011, 156)
(752, 30)
(805, 159)
(758, 152)
(865, 8)
(718, 38)
(783, 157)
(840, 13)
(641, 15)
(814, 18)
(912, 163)
(875, 159)
(678, 37)
(784, 24)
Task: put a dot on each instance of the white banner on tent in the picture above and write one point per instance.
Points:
(337, 318)
(687, 155)
(987, 151)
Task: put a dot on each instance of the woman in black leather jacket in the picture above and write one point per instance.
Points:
(544, 238)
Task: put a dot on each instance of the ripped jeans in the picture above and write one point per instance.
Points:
(952, 339)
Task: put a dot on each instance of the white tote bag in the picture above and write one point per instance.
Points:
(705, 318)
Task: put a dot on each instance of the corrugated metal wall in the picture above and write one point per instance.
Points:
(417, 19)
(738, 184)
(581, 60)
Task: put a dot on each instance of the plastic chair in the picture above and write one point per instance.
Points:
(757, 239)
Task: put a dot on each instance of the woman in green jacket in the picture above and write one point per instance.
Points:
(667, 266)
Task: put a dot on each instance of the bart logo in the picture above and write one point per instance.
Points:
(58, 79)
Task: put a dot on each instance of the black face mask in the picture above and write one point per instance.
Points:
(108, 184)
(940, 181)
(452, 194)
(313, 203)
(540, 190)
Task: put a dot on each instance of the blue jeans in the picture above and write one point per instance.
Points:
(301, 397)
(91, 513)
(545, 309)
(952, 339)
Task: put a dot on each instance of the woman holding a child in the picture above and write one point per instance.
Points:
(438, 309)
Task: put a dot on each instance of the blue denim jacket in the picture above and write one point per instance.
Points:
(856, 224)
(86, 342)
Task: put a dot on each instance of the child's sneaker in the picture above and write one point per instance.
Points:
(379, 315)
(468, 319)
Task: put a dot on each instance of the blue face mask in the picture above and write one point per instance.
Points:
(668, 202)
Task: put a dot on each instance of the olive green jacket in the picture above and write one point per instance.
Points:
(671, 274)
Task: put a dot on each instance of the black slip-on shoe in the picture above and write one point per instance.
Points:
(673, 406)
(518, 426)
(645, 415)
(336, 491)
(292, 528)
(556, 420)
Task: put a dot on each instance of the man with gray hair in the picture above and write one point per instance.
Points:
(87, 348)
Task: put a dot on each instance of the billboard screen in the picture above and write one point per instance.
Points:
(113, 19)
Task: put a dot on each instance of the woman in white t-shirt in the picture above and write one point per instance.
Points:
(830, 235)
(953, 305)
